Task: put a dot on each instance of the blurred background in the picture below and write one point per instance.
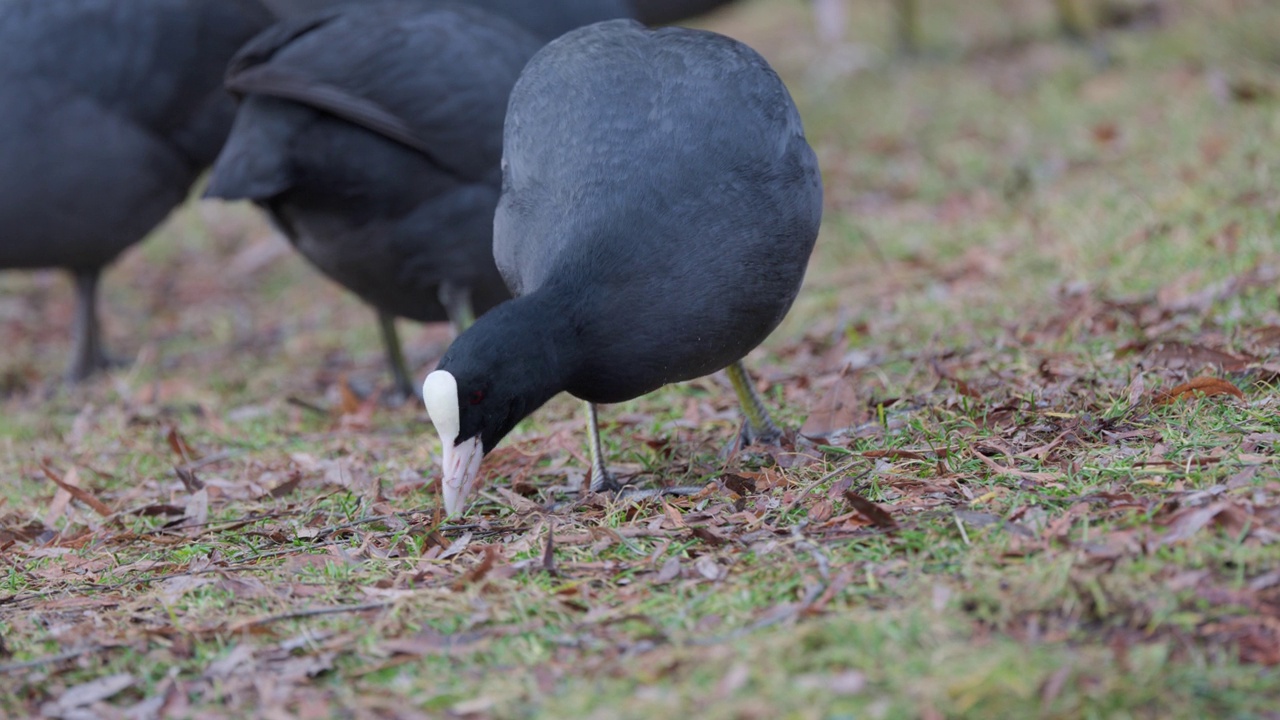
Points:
(983, 165)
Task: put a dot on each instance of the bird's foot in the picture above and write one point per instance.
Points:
(86, 366)
(603, 481)
(400, 395)
(769, 435)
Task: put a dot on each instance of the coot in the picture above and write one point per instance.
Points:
(659, 207)
(547, 19)
(372, 135)
(663, 12)
(109, 110)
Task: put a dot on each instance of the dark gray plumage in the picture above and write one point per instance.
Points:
(373, 136)
(659, 206)
(109, 110)
(546, 19)
(663, 12)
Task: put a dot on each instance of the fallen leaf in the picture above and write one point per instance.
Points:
(93, 691)
(871, 511)
(835, 413)
(849, 682)
(179, 445)
(670, 571)
(71, 484)
(709, 536)
(1178, 356)
(1186, 523)
(1205, 385)
(478, 573)
(197, 510)
(708, 568)
(739, 485)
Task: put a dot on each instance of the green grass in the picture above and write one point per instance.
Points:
(1021, 249)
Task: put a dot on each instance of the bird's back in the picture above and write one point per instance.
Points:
(440, 74)
(628, 125)
(661, 180)
(157, 63)
(109, 109)
(374, 136)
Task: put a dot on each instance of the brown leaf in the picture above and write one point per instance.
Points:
(1106, 133)
(708, 568)
(820, 512)
(197, 510)
(89, 693)
(1177, 356)
(289, 485)
(189, 480)
(670, 571)
(179, 445)
(709, 536)
(738, 484)
(999, 469)
(549, 553)
(1202, 385)
(1137, 388)
(71, 484)
(350, 402)
(478, 573)
(871, 511)
(835, 413)
(1186, 523)
(673, 515)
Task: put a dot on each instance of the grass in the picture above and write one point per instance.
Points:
(1021, 251)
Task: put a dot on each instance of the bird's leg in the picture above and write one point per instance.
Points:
(1078, 20)
(601, 480)
(456, 300)
(88, 355)
(907, 16)
(403, 389)
(1074, 19)
(759, 428)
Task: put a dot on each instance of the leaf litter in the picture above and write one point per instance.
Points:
(1098, 471)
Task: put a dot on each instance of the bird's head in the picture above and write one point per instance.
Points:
(493, 376)
(469, 424)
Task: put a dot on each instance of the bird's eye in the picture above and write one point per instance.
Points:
(477, 397)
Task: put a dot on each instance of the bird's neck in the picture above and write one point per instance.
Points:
(529, 344)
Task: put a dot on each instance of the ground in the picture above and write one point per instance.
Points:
(1032, 466)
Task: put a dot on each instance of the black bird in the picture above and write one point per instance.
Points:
(659, 207)
(664, 12)
(109, 110)
(547, 19)
(372, 136)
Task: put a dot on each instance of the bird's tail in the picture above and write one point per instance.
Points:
(254, 163)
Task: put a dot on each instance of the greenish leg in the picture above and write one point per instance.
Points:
(907, 16)
(1074, 19)
(601, 480)
(759, 427)
(1078, 20)
(395, 357)
(457, 305)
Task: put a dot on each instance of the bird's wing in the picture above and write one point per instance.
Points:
(291, 85)
(433, 77)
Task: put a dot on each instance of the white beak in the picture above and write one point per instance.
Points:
(461, 473)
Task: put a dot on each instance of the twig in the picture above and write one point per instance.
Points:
(49, 659)
(305, 405)
(313, 612)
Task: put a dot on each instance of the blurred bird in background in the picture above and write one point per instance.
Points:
(372, 135)
(109, 111)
